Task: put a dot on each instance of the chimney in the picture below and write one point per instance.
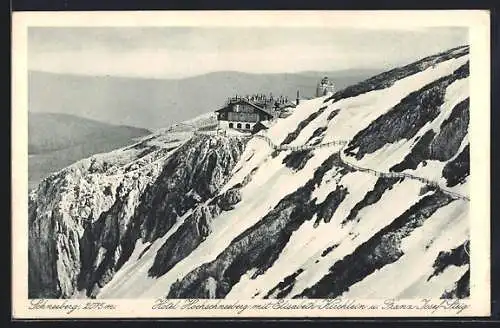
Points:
(298, 95)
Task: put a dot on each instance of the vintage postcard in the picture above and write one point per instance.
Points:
(251, 164)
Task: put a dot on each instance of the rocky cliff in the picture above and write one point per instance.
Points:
(84, 224)
(291, 212)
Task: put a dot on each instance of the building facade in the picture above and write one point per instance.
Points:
(242, 114)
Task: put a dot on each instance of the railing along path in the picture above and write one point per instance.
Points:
(344, 160)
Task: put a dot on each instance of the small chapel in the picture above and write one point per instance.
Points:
(324, 87)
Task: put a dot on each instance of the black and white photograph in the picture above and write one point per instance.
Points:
(176, 164)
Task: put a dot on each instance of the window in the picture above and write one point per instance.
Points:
(238, 125)
(245, 117)
(247, 126)
(231, 125)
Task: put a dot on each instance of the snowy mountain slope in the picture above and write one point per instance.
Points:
(282, 214)
(85, 220)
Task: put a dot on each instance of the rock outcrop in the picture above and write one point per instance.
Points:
(83, 226)
(408, 117)
(259, 246)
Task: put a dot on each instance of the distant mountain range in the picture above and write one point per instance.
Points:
(72, 117)
(57, 140)
(156, 103)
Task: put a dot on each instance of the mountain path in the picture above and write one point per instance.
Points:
(344, 160)
(274, 146)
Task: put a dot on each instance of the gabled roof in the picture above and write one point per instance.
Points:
(287, 105)
(265, 124)
(262, 109)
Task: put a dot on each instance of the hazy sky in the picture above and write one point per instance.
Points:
(171, 52)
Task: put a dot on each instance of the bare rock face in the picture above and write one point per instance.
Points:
(457, 170)
(442, 146)
(380, 250)
(461, 288)
(298, 159)
(229, 199)
(294, 134)
(253, 248)
(209, 287)
(192, 232)
(381, 186)
(83, 226)
(405, 119)
(387, 79)
(185, 239)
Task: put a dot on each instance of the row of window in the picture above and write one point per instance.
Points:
(245, 117)
(242, 109)
(238, 125)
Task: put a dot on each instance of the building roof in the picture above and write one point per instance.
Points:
(251, 103)
(288, 105)
(265, 124)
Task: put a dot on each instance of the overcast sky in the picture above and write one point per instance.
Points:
(172, 52)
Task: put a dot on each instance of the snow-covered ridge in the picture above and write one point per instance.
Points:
(340, 196)
(375, 172)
